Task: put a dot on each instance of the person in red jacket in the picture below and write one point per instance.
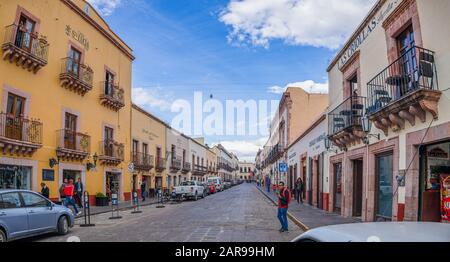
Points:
(284, 197)
(69, 192)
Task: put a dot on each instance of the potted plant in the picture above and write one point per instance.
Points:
(101, 200)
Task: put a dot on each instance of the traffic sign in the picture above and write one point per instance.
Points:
(283, 167)
(131, 167)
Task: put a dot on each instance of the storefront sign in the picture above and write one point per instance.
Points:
(438, 153)
(361, 38)
(445, 198)
(78, 36)
(48, 175)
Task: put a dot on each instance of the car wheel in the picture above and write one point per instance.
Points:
(63, 226)
(2, 236)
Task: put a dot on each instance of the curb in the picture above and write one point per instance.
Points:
(289, 214)
(120, 209)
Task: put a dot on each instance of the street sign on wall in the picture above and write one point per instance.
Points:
(283, 167)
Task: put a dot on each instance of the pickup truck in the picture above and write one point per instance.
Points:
(189, 189)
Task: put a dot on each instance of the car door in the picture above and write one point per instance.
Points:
(13, 215)
(41, 215)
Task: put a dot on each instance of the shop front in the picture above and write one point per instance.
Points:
(15, 177)
(113, 184)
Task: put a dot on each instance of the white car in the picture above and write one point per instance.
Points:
(190, 189)
(379, 232)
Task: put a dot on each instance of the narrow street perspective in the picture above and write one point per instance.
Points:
(240, 214)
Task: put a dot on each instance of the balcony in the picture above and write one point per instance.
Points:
(175, 164)
(186, 167)
(25, 49)
(72, 145)
(199, 170)
(75, 76)
(160, 164)
(142, 161)
(113, 96)
(19, 136)
(111, 152)
(345, 122)
(404, 90)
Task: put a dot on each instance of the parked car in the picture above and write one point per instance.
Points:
(212, 188)
(379, 232)
(226, 185)
(206, 188)
(24, 213)
(217, 182)
(190, 189)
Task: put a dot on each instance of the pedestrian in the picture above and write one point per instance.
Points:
(268, 184)
(69, 190)
(61, 191)
(298, 190)
(301, 188)
(284, 198)
(79, 192)
(45, 191)
(143, 189)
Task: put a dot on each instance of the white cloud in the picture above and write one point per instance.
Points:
(318, 23)
(105, 7)
(308, 85)
(245, 150)
(152, 97)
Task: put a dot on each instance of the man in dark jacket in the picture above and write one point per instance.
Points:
(298, 190)
(143, 189)
(284, 197)
(79, 192)
(45, 191)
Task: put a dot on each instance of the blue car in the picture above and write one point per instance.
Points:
(25, 213)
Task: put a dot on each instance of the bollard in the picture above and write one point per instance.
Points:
(115, 203)
(160, 199)
(87, 211)
(135, 204)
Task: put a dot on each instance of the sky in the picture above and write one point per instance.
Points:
(229, 50)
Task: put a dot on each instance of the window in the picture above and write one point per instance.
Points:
(73, 64)
(354, 86)
(87, 9)
(173, 152)
(33, 200)
(25, 30)
(10, 200)
(135, 146)
(14, 109)
(70, 130)
(144, 148)
(109, 83)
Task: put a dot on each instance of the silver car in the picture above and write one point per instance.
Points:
(25, 213)
(379, 232)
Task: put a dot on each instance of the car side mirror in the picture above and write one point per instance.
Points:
(50, 205)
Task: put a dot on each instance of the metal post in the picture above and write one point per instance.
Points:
(87, 211)
(135, 204)
(160, 199)
(115, 203)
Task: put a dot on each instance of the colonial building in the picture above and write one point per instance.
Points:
(179, 160)
(389, 114)
(211, 162)
(66, 87)
(246, 171)
(308, 160)
(148, 150)
(296, 111)
(225, 162)
(198, 156)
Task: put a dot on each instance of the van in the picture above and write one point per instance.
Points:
(217, 182)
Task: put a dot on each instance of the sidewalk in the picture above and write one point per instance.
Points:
(309, 217)
(125, 205)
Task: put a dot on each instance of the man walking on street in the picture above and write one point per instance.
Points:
(79, 192)
(298, 189)
(143, 189)
(69, 192)
(45, 191)
(284, 197)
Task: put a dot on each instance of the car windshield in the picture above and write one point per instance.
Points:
(188, 183)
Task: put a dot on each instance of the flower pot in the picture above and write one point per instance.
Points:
(101, 201)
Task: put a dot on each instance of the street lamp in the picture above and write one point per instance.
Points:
(367, 127)
(327, 143)
(89, 165)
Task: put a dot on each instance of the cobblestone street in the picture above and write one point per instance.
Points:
(238, 214)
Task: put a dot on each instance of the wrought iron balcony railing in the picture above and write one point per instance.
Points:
(72, 144)
(347, 115)
(19, 134)
(76, 76)
(160, 164)
(175, 163)
(112, 96)
(142, 161)
(111, 152)
(414, 70)
(186, 167)
(29, 50)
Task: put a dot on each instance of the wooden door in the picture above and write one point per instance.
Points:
(357, 187)
(70, 131)
(14, 117)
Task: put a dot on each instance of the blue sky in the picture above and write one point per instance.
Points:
(230, 49)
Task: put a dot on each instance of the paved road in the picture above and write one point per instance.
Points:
(239, 214)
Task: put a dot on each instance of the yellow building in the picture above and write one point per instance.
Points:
(148, 150)
(65, 82)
